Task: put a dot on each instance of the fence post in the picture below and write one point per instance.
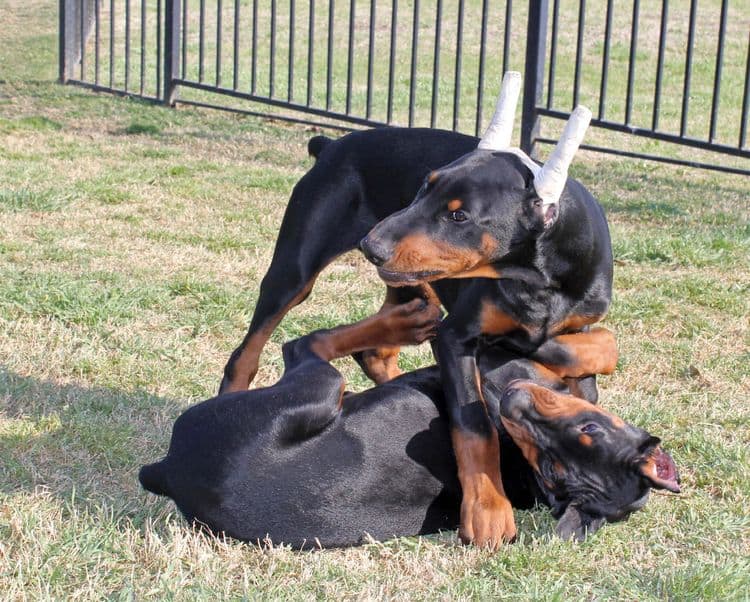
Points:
(536, 46)
(172, 14)
(73, 34)
(68, 43)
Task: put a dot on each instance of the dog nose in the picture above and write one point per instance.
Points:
(375, 254)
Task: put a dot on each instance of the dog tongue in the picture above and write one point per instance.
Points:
(665, 466)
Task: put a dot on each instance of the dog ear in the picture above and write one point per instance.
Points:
(657, 466)
(500, 130)
(576, 525)
(550, 181)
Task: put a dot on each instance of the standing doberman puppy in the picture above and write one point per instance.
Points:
(301, 463)
(537, 248)
(356, 181)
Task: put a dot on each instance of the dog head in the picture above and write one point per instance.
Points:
(594, 467)
(486, 207)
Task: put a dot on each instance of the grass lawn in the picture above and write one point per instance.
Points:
(132, 242)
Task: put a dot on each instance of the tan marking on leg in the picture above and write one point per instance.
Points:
(246, 365)
(486, 514)
(593, 352)
(574, 323)
(381, 363)
(391, 327)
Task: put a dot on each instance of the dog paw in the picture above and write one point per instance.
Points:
(487, 521)
(410, 323)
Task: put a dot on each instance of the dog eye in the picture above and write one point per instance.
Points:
(589, 428)
(457, 216)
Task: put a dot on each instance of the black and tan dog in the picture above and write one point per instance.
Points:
(356, 181)
(304, 464)
(536, 249)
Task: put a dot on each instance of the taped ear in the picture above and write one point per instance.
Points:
(576, 525)
(550, 180)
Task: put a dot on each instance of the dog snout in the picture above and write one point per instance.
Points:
(375, 253)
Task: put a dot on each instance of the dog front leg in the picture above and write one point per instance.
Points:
(486, 513)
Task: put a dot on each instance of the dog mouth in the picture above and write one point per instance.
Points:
(405, 278)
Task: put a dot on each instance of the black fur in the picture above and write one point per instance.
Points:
(285, 463)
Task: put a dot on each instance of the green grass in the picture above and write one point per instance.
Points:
(132, 243)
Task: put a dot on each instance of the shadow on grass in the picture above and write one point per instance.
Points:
(81, 445)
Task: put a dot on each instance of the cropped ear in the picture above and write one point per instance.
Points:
(657, 466)
(576, 524)
(550, 180)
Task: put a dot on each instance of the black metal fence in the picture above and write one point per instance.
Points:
(673, 71)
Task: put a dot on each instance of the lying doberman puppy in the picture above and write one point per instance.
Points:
(536, 249)
(303, 464)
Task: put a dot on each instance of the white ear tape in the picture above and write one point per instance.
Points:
(499, 132)
(549, 182)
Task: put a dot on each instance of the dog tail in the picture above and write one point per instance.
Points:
(153, 478)
(317, 144)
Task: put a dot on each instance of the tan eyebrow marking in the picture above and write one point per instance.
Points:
(455, 204)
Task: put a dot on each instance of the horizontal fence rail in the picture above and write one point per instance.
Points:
(671, 71)
(676, 72)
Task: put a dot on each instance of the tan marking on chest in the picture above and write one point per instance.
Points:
(493, 320)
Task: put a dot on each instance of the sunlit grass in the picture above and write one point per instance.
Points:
(132, 243)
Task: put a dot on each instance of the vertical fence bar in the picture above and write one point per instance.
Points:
(436, 63)
(97, 39)
(579, 51)
(159, 65)
(329, 58)
(370, 58)
(310, 40)
(536, 36)
(254, 50)
(219, 35)
(745, 100)
(62, 41)
(717, 71)
(290, 72)
(236, 46)
(184, 37)
(506, 36)
(413, 72)
(82, 6)
(457, 75)
(272, 51)
(202, 41)
(480, 77)
(143, 44)
(688, 68)
(392, 60)
(605, 62)
(553, 55)
(127, 44)
(350, 56)
(631, 61)
(111, 43)
(660, 63)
